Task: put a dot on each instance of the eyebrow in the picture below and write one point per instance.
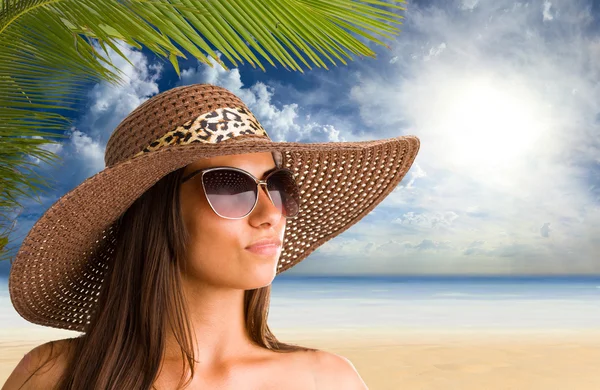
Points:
(269, 171)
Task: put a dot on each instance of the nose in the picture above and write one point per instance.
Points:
(265, 208)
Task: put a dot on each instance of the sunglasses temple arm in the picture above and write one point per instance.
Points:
(188, 177)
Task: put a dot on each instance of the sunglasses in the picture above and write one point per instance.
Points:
(232, 193)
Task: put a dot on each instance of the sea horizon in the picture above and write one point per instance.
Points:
(418, 302)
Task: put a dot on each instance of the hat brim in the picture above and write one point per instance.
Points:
(58, 271)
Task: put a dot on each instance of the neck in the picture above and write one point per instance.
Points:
(217, 324)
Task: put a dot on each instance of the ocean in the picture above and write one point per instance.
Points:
(436, 303)
(418, 303)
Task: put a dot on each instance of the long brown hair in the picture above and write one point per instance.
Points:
(123, 345)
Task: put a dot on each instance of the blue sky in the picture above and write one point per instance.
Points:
(504, 96)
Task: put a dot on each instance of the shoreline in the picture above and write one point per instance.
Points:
(363, 336)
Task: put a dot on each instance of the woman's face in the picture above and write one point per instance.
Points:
(216, 253)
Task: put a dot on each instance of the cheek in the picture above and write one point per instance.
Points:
(196, 214)
(213, 241)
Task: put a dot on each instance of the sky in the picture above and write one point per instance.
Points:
(503, 95)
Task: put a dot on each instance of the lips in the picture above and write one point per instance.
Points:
(265, 242)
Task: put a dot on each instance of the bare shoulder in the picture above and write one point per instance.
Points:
(41, 367)
(333, 371)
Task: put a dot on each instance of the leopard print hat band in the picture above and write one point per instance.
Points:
(213, 127)
(198, 116)
(59, 270)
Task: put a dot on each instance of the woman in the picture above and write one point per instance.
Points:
(164, 260)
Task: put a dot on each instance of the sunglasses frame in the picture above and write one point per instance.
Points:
(256, 180)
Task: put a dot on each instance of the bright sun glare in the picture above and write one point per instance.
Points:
(491, 125)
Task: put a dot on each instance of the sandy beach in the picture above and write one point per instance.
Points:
(412, 359)
(470, 360)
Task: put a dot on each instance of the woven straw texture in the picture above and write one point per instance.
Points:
(58, 272)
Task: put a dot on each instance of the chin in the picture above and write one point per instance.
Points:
(259, 278)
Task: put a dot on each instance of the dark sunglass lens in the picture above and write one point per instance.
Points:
(284, 192)
(231, 193)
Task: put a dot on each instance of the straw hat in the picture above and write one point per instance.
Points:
(58, 271)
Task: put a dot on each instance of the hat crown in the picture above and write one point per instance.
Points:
(194, 113)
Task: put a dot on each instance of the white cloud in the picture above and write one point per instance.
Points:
(281, 121)
(475, 248)
(110, 104)
(427, 244)
(546, 12)
(55, 148)
(428, 221)
(469, 4)
(435, 51)
(413, 174)
(545, 230)
(90, 152)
